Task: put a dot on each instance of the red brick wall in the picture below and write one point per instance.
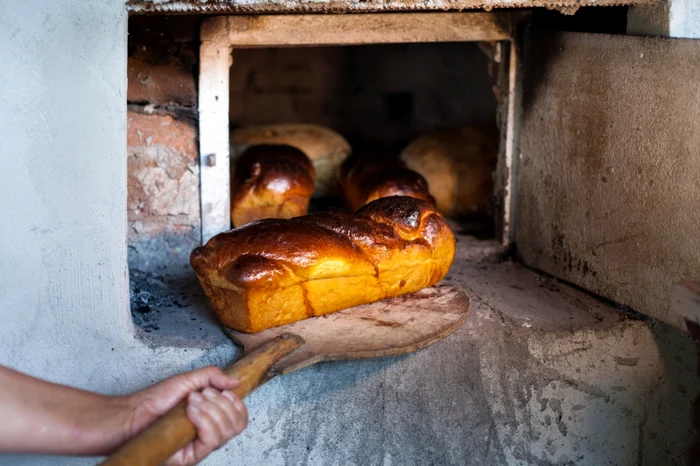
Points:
(163, 168)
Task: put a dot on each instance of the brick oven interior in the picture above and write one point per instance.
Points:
(543, 372)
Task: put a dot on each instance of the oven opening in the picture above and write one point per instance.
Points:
(429, 107)
(386, 104)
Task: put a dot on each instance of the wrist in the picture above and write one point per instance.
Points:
(105, 425)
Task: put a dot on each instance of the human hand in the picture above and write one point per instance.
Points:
(44, 417)
(217, 413)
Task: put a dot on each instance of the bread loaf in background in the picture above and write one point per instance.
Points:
(458, 165)
(270, 181)
(274, 272)
(364, 179)
(326, 148)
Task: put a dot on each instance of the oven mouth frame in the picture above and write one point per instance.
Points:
(221, 35)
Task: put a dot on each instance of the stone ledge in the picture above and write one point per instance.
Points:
(540, 373)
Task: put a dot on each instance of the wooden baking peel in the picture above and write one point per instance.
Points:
(391, 327)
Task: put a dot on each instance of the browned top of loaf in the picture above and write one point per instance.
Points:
(317, 246)
(366, 178)
(277, 168)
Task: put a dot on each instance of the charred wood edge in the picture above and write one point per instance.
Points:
(508, 87)
(685, 302)
(184, 7)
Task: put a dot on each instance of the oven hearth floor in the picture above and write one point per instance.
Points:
(540, 373)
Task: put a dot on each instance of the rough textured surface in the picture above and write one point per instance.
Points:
(298, 6)
(540, 373)
(64, 303)
(609, 168)
(63, 227)
(160, 83)
(163, 61)
(163, 165)
(668, 18)
(366, 29)
(163, 192)
(163, 168)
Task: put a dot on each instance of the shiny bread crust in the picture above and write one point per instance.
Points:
(270, 181)
(273, 272)
(366, 178)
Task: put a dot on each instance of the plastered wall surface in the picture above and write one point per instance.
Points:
(609, 188)
(668, 18)
(355, 6)
(63, 222)
(64, 295)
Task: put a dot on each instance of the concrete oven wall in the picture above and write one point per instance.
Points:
(63, 225)
(64, 294)
(540, 374)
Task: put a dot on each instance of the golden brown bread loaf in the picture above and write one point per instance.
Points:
(326, 148)
(367, 178)
(274, 272)
(270, 182)
(458, 164)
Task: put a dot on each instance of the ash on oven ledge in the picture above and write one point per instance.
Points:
(169, 307)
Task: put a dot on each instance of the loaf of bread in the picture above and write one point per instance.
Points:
(326, 148)
(366, 178)
(270, 182)
(458, 164)
(274, 272)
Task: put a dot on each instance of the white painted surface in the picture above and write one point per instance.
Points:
(512, 136)
(670, 18)
(63, 183)
(685, 19)
(215, 178)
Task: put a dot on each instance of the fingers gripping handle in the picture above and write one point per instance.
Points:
(174, 430)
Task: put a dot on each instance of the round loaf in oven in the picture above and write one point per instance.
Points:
(326, 148)
(458, 164)
(274, 272)
(270, 181)
(367, 178)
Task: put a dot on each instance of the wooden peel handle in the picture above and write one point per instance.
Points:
(174, 430)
